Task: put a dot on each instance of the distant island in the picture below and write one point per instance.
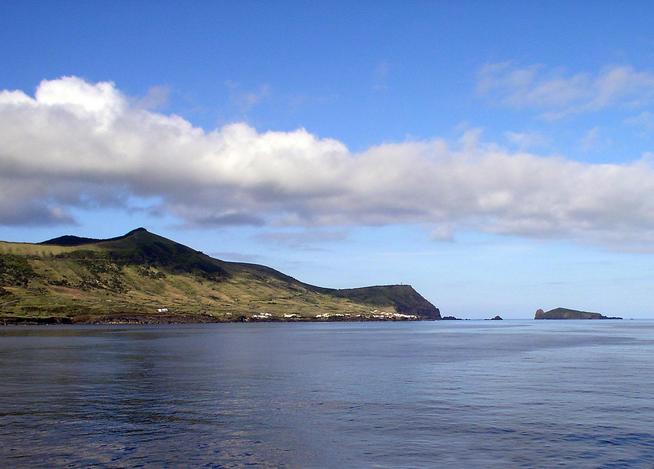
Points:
(145, 278)
(565, 313)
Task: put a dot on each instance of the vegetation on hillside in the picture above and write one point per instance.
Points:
(143, 277)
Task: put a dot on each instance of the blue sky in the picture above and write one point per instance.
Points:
(495, 155)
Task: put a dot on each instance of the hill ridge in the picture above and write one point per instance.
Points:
(73, 240)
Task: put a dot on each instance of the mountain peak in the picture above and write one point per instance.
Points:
(140, 229)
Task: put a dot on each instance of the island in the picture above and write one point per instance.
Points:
(142, 277)
(565, 313)
(495, 318)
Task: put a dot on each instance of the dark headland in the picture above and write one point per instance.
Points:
(565, 313)
(145, 278)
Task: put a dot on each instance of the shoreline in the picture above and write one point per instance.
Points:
(138, 320)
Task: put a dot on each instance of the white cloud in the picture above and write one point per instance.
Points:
(77, 144)
(526, 140)
(557, 94)
(246, 100)
(156, 98)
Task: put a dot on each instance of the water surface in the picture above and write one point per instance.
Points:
(425, 394)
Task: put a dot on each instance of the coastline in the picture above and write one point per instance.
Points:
(147, 319)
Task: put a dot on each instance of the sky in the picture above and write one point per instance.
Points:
(498, 156)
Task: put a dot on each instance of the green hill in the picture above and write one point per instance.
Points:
(142, 277)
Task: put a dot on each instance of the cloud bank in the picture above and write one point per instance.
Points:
(78, 144)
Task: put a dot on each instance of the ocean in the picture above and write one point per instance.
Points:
(451, 394)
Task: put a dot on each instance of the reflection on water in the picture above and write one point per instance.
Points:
(465, 394)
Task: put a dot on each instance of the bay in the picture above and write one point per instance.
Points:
(487, 394)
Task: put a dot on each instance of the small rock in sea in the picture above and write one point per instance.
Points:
(496, 318)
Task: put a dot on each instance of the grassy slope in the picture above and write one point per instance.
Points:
(133, 275)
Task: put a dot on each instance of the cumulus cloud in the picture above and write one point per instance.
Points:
(79, 144)
(156, 97)
(557, 94)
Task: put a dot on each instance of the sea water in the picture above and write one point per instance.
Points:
(455, 394)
